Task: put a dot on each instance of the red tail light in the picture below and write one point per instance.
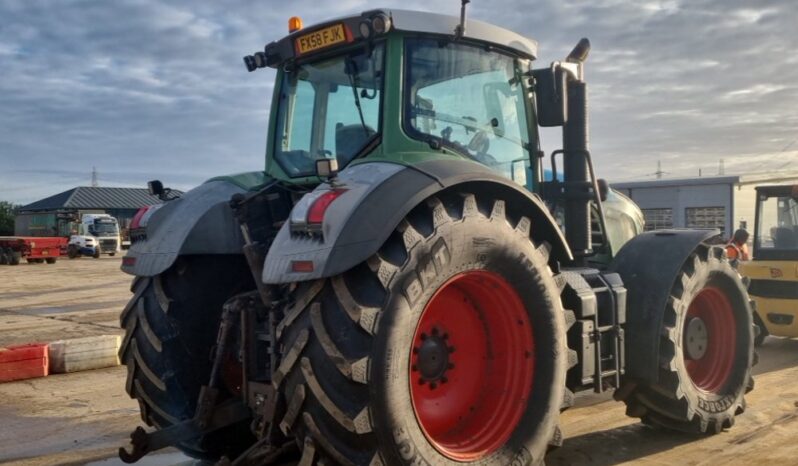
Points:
(137, 218)
(320, 205)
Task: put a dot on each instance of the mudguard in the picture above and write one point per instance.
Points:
(379, 195)
(199, 222)
(649, 265)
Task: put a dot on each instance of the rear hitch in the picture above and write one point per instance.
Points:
(219, 416)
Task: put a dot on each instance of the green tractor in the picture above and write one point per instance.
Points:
(405, 283)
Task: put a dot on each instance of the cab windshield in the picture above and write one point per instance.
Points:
(329, 108)
(778, 224)
(469, 100)
(104, 228)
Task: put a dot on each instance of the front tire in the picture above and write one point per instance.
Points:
(706, 350)
(447, 347)
(171, 323)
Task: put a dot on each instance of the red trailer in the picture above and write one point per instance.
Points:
(33, 249)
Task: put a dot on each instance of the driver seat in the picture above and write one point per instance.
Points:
(349, 139)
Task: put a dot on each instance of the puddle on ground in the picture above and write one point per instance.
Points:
(163, 459)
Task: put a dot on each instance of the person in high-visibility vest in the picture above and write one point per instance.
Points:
(737, 249)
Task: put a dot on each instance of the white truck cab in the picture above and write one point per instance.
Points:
(97, 234)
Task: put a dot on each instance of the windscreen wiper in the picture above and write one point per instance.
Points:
(353, 73)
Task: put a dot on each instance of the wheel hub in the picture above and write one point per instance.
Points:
(696, 338)
(432, 358)
(710, 340)
(471, 365)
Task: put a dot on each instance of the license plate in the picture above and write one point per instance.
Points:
(320, 39)
(45, 252)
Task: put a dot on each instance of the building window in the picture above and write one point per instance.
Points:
(657, 219)
(706, 217)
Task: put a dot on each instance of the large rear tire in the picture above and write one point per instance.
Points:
(171, 323)
(447, 347)
(706, 349)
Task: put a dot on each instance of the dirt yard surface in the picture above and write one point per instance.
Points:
(68, 299)
(83, 417)
(65, 418)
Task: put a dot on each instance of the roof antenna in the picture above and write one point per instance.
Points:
(94, 182)
(459, 31)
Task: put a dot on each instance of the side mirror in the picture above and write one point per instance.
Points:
(551, 96)
(155, 187)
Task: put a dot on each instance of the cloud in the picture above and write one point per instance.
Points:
(143, 88)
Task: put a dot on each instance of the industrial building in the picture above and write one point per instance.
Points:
(724, 202)
(56, 215)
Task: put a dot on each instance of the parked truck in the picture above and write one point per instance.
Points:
(402, 286)
(97, 234)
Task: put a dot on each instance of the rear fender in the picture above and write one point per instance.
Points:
(649, 264)
(199, 222)
(379, 195)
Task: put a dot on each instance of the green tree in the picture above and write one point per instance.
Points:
(7, 218)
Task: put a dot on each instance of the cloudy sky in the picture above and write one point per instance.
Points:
(148, 89)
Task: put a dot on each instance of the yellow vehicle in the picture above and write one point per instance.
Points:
(774, 269)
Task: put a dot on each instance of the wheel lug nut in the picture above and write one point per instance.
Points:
(445, 336)
(433, 386)
(414, 368)
(421, 381)
(415, 350)
(434, 330)
(444, 380)
(423, 336)
(450, 366)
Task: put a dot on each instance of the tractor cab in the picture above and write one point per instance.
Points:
(409, 87)
(401, 83)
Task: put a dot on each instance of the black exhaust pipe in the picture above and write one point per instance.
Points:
(576, 158)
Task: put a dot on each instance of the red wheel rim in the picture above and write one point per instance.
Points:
(710, 363)
(471, 365)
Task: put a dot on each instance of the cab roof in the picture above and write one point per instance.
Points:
(282, 50)
(433, 23)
